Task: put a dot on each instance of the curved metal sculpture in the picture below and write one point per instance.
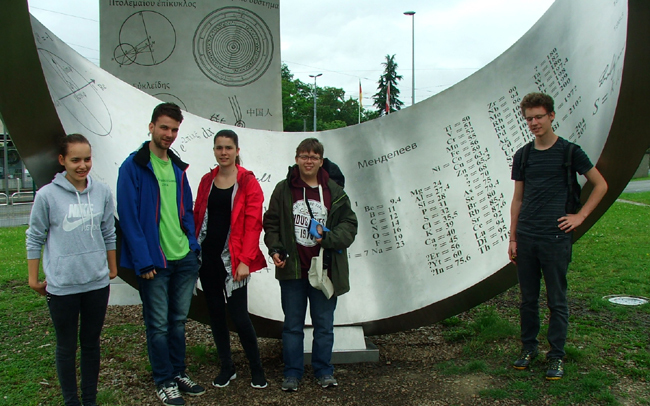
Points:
(430, 184)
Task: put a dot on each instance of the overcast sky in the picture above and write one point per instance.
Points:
(347, 40)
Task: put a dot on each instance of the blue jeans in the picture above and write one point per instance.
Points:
(79, 315)
(165, 303)
(550, 257)
(294, 304)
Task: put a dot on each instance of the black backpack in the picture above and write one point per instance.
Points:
(574, 190)
(334, 172)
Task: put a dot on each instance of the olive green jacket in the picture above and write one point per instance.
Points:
(279, 234)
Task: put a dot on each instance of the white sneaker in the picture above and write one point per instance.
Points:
(169, 394)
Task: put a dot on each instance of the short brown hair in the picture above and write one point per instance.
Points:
(170, 110)
(310, 144)
(534, 99)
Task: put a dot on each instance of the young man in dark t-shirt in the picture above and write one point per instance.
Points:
(541, 229)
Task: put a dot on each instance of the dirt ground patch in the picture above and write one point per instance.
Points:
(408, 372)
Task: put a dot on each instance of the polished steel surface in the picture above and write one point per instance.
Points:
(430, 184)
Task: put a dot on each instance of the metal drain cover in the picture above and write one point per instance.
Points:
(627, 300)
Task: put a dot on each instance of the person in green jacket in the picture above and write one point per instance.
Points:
(309, 199)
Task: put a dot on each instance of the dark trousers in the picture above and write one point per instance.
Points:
(550, 257)
(65, 312)
(213, 279)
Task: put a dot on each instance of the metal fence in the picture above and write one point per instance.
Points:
(16, 213)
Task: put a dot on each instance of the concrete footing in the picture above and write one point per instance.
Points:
(350, 346)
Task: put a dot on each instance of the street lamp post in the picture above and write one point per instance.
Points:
(412, 14)
(315, 76)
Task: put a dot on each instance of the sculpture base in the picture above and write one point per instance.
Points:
(123, 294)
(350, 346)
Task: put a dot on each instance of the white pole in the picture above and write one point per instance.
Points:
(315, 76)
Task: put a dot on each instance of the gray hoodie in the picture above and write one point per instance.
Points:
(77, 228)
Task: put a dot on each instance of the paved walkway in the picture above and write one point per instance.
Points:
(631, 202)
(637, 186)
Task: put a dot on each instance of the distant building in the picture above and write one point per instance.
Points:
(15, 183)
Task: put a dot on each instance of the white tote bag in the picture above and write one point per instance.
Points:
(318, 276)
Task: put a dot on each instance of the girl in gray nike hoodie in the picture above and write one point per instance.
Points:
(73, 218)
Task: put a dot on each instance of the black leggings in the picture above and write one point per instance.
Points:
(213, 277)
(65, 311)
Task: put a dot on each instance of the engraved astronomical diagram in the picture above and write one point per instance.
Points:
(146, 38)
(236, 110)
(170, 98)
(77, 94)
(233, 46)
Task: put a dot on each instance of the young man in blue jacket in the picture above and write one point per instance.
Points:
(154, 204)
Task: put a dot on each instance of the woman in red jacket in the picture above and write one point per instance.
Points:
(228, 218)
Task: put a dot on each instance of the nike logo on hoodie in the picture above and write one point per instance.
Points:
(80, 212)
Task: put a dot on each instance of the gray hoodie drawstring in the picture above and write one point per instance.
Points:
(79, 203)
(92, 217)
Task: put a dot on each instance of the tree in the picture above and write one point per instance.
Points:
(334, 111)
(388, 78)
(297, 102)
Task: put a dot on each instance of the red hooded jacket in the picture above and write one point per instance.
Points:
(245, 219)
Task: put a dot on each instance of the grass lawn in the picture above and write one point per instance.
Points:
(642, 197)
(608, 344)
(607, 363)
(643, 178)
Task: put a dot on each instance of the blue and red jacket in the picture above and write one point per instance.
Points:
(138, 206)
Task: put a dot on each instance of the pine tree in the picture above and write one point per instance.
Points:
(388, 78)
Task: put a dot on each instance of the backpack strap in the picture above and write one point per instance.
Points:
(524, 157)
(334, 171)
(573, 187)
(568, 164)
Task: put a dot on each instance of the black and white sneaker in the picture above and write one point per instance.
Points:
(168, 393)
(187, 385)
(225, 376)
(258, 380)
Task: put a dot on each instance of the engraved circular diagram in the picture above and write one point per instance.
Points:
(146, 38)
(233, 46)
(170, 98)
(76, 94)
